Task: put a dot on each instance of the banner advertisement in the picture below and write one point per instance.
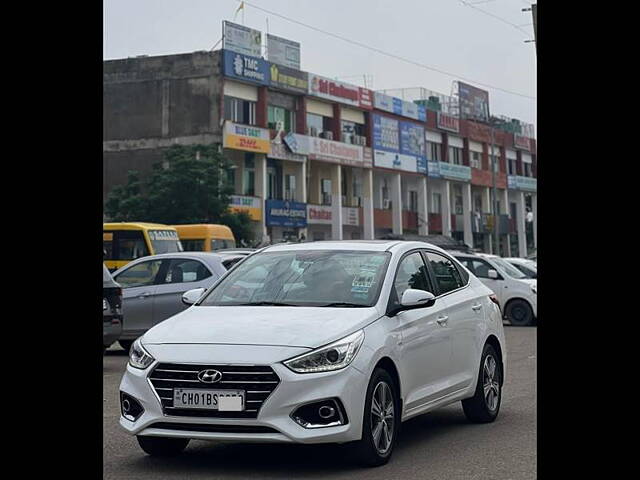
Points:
(245, 68)
(386, 133)
(516, 182)
(399, 107)
(286, 78)
(322, 215)
(455, 172)
(340, 92)
(241, 137)
(398, 145)
(325, 150)
(251, 205)
(284, 213)
(521, 142)
(395, 161)
(279, 151)
(448, 122)
(282, 51)
(241, 39)
(474, 102)
(433, 169)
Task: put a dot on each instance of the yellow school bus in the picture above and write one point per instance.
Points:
(205, 237)
(124, 242)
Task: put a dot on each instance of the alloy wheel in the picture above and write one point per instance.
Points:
(382, 417)
(490, 383)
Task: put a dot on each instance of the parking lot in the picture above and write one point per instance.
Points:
(439, 445)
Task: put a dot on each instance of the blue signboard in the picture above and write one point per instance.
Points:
(246, 68)
(386, 134)
(404, 138)
(433, 169)
(283, 213)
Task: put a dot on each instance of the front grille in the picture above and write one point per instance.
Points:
(257, 381)
(197, 427)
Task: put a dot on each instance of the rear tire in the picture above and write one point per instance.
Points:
(162, 446)
(384, 427)
(484, 406)
(126, 344)
(519, 313)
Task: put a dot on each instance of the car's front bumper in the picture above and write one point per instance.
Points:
(348, 385)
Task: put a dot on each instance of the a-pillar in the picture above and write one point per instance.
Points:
(396, 203)
(301, 189)
(521, 215)
(446, 208)
(367, 210)
(260, 188)
(336, 202)
(423, 215)
(466, 214)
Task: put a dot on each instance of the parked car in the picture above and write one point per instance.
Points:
(153, 286)
(112, 318)
(526, 266)
(332, 342)
(517, 294)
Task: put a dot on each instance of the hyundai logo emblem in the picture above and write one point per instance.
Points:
(209, 376)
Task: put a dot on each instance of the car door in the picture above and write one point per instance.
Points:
(426, 341)
(466, 317)
(138, 282)
(480, 268)
(182, 274)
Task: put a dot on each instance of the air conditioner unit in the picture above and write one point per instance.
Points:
(386, 204)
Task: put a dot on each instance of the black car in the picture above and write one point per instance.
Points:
(111, 309)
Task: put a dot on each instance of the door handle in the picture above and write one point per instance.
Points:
(144, 295)
(442, 320)
(477, 307)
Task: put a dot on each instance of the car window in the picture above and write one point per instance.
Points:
(447, 275)
(218, 244)
(412, 273)
(480, 268)
(141, 274)
(192, 245)
(183, 270)
(509, 269)
(227, 264)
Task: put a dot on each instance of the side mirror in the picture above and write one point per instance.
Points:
(192, 296)
(492, 274)
(413, 298)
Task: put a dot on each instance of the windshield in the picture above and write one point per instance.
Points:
(164, 241)
(304, 278)
(509, 269)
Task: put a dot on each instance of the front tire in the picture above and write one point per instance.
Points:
(381, 420)
(484, 406)
(161, 446)
(519, 313)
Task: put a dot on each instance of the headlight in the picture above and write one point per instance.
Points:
(331, 357)
(139, 357)
(534, 289)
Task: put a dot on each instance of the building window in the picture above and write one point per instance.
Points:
(434, 152)
(239, 111)
(280, 118)
(325, 191)
(413, 201)
(455, 155)
(317, 125)
(289, 187)
(351, 130)
(272, 183)
(249, 176)
(475, 159)
(457, 199)
(512, 166)
(495, 158)
(436, 203)
(527, 170)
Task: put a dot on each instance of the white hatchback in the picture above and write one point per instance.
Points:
(517, 294)
(315, 343)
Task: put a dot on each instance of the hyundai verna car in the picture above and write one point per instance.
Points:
(318, 342)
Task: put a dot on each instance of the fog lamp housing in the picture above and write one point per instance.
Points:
(130, 407)
(320, 414)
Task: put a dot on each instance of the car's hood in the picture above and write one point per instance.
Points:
(283, 326)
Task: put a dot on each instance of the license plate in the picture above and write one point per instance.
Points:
(221, 400)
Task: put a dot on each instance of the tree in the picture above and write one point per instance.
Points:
(191, 185)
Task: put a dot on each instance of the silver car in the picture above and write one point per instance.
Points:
(153, 286)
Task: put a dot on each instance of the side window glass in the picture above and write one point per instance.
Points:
(139, 275)
(131, 245)
(412, 273)
(481, 268)
(446, 273)
(192, 245)
(185, 270)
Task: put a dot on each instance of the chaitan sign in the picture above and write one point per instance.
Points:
(241, 39)
(242, 137)
(323, 214)
(342, 92)
(326, 150)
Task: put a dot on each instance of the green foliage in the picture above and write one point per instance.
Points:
(190, 186)
(240, 225)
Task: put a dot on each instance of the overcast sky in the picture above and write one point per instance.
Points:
(444, 34)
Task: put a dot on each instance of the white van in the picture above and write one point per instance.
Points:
(517, 294)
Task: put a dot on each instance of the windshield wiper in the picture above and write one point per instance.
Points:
(343, 304)
(265, 304)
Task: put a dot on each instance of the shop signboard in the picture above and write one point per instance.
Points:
(433, 169)
(517, 182)
(279, 151)
(285, 213)
(326, 150)
(245, 68)
(400, 107)
(398, 145)
(474, 102)
(448, 122)
(323, 214)
(282, 51)
(455, 172)
(289, 79)
(241, 39)
(242, 137)
(342, 92)
(521, 142)
(251, 205)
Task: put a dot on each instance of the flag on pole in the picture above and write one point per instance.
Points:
(241, 7)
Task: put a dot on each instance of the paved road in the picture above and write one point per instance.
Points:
(439, 445)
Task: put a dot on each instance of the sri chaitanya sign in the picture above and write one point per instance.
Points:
(242, 137)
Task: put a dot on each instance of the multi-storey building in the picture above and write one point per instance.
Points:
(319, 157)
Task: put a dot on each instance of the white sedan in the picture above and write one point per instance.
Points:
(319, 343)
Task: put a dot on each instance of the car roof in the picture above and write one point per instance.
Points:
(202, 255)
(358, 245)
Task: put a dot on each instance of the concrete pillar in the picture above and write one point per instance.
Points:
(396, 203)
(367, 204)
(534, 210)
(466, 214)
(446, 208)
(423, 210)
(505, 211)
(336, 202)
(486, 200)
(260, 189)
(301, 189)
(521, 215)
